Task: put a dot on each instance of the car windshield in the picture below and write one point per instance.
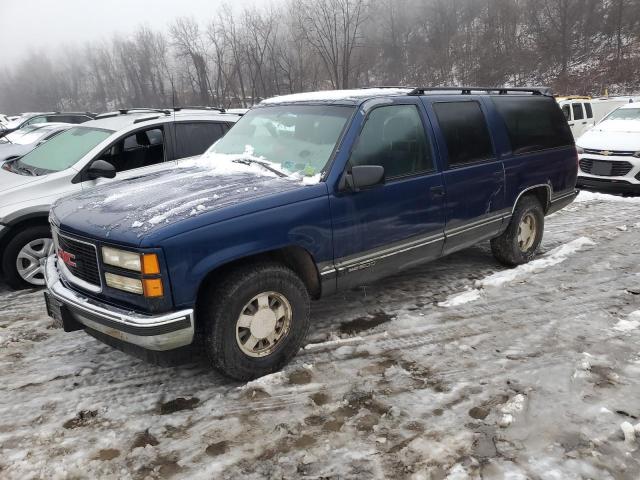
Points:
(625, 114)
(63, 150)
(293, 139)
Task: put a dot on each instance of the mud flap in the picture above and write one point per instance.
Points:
(61, 314)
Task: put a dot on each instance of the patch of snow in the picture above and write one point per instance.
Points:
(629, 432)
(553, 257)
(586, 196)
(622, 228)
(336, 95)
(461, 298)
(136, 224)
(628, 325)
(178, 210)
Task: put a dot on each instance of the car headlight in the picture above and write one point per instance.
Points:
(580, 150)
(146, 264)
(121, 259)
(637, 154)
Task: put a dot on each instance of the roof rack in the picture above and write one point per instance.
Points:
(125, 111)
(467, 90)
(198, 107)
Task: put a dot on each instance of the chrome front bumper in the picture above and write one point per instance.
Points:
(160, 332)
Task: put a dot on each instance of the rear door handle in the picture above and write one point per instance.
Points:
(437, 191)
(584, 123)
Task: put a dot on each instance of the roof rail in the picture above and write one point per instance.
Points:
(125, 111)
(198, 107)
(546, 91)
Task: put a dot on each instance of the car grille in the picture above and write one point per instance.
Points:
(616, 153)
(84, 261)
(618, 169)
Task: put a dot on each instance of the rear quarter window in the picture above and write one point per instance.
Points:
(533, 123)
(194, 138)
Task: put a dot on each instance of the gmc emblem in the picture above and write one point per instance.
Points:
(66, 257)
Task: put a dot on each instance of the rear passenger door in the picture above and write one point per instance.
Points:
(579, 120)
(194, 138)
(387, 227)
(473, 176)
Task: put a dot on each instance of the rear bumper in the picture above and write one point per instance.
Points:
(154, 332)
(618, 186)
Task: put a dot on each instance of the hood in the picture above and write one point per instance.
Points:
(10, 181)
(189, 194)
(615, 135)
(8, 150)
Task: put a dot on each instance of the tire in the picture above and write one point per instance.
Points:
(42, 245)
(509, 248)
(266, 289)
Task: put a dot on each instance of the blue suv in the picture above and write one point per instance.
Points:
(306, 195)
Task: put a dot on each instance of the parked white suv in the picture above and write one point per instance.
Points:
(123, 144)
(609, 153)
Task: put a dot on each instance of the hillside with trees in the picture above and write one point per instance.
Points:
(241, 56)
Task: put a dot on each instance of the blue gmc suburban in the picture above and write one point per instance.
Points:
(307, 194)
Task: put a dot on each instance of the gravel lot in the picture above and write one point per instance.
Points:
(530, 374)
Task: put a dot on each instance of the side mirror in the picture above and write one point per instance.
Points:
(101, 169)
(362, 177)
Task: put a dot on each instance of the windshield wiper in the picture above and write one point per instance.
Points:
(17, 167)
(250, 161)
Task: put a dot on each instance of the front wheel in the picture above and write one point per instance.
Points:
(22, 256)
(256, 320)
(519, 243)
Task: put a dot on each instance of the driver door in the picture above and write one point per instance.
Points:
(135, 154)
(399, 223)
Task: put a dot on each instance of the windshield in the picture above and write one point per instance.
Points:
(295, 139)
(63, 150)
(625, 114)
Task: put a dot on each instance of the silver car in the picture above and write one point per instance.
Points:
(121, 144)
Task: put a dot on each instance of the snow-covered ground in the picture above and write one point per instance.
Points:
(531, 373)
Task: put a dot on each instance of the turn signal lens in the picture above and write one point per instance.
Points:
(153, 287)
(150, 264)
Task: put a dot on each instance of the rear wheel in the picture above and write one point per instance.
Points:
(256, 320)
(519, 243)
(22, 256)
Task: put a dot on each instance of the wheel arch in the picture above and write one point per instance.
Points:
(542, 192)
(295, 257)
(19, 224)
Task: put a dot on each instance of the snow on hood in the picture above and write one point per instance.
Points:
(621, 135)
(192, 188)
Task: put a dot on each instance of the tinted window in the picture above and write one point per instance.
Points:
(394, 138)
(577, 111)
(67, 118)
(533, 123)
(567, 112)
(465, 131)
(35, 120)
(194, 138)
(587, 107)
(138, 150)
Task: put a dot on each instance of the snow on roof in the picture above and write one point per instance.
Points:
(333, 95)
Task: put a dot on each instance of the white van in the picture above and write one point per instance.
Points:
(582, 113)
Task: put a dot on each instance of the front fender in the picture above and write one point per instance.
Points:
(193, 255)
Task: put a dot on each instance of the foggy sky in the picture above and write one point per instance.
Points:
(49, 25)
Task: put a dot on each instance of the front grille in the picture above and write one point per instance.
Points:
(82, 261)
(618, 169)
(616, 153)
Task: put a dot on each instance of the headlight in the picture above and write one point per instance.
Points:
(143, 263)
(580, 150)
(122, 259)
(131, 285)
(637, 154)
